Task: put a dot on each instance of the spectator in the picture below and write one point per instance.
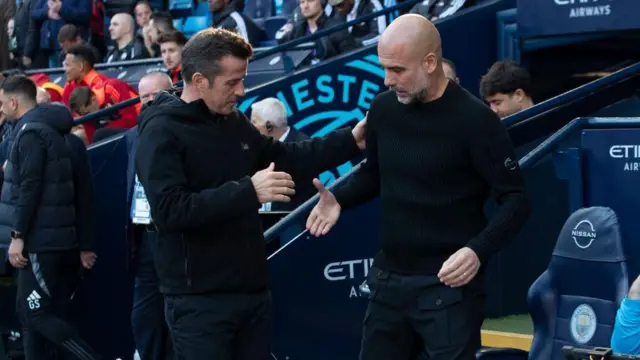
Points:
(150, 331)
(450, 70)
(437, 9)
(226, 16)
(315, 19)
(151, 83)
(364, 33)
(79, 69)
(171, 45)
(69, 36)
(128, 46)
(142, 12)
(159, 24)
(7, 11)
(507, 88)
(28, 37)
(85, 101)
(269, 116)
(626, 331)
(46, 208)
(13, 42)
(53, 15)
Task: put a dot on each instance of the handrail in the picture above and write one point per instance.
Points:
(150, 61)
(572, 94)
(545, 148)
(318, 34)
(305, 208)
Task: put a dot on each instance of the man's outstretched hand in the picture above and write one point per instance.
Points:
(326, 212)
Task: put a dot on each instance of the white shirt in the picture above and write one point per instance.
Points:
(267, 206)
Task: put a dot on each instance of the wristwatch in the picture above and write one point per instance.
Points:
(16, 234)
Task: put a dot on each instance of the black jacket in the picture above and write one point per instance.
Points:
(336, 43)
(39, 194)
(196, 170)
(231, 19)
(135, 50)
(27, 31)
(438, 9)
(366, 32)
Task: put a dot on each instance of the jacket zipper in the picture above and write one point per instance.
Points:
(186, 261)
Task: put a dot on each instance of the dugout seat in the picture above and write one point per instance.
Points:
(574, 302)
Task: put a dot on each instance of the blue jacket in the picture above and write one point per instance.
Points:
(76, 12)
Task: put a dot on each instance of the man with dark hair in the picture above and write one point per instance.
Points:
(171, 44)
(205, 171)
(68, 37)
(507, 88)
(45, 218)
(78, 66)
(160, 23)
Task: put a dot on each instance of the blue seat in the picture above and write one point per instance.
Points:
(202, 9)
(193, 24)
(177, 24)
(574, 302)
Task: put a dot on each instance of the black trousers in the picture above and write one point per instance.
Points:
(150, 331)
(45, 288)
(220, 326)
(408, 314)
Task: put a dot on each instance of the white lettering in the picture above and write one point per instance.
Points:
(625, 151)
(353, 293)
(590, 11)
(351, 269)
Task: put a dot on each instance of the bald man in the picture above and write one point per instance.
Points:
(435, 153)
(128, 46)
(151, 84)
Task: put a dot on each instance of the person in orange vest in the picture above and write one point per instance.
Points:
(85, 101)
(79, 69)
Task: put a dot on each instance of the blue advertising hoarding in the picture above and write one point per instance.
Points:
(612, 174)
(564, 17)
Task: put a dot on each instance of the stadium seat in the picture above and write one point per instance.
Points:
(193, 24)
(177, 23)
(181, 8)
(574, 302)
(202, 9)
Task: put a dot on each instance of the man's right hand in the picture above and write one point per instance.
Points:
(325, 214)
(273, 185)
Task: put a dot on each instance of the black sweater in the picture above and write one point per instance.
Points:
(433, 165)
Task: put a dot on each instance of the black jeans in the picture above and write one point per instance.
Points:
(220, 326)
(409, 312)
(150, 331)
(45, 288)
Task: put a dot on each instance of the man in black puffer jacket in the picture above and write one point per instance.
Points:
(38, 208)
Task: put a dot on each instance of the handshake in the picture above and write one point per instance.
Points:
(273, 186)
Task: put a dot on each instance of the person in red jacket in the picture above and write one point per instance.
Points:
(78, 66)
(54, 90)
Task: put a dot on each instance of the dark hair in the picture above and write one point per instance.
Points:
(203, 52)
(162, 19)
(172, 36)
(20, 85)
(80, 97)
(505, 77)
(69, 32)
(143, 2)
(84, 53)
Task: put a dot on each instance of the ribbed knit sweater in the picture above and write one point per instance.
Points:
(434, 165)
